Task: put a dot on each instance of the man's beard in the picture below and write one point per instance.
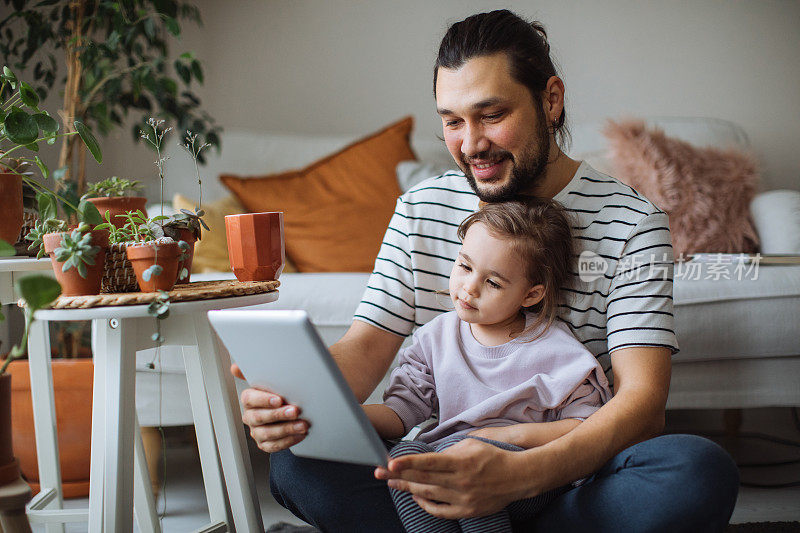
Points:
(526, 172)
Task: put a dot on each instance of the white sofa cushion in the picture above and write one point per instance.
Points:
(776, 216)
(731, 318)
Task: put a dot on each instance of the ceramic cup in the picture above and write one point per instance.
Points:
(255, 245)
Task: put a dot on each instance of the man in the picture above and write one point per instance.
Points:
(502, 109)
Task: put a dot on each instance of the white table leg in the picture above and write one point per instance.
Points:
(116, 341)
(44, 416)
(206, 443)
(98, 435)
(144, 505)
(227, 421)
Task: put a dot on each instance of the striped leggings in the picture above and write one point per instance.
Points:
(416, 520)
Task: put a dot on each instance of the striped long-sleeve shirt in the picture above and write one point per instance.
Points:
(620, 294)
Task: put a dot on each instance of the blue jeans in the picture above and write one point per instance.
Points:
(671, 483)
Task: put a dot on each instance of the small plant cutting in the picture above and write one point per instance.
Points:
(37, 292)
(23, 126)
(187, 225)
(116, 195)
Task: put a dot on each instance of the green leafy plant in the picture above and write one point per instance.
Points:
(38, 292)
(138, 228)
(112, 186)
(49, 222)
(116, 57)
(76, 250)
(23, 125)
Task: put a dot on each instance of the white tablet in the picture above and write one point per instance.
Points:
(281, 351)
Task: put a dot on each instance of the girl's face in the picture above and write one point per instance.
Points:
(488, 285)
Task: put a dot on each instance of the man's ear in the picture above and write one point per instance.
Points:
(534, 296)
(553, 99)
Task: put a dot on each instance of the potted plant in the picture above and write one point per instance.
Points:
(114, 195)
(114, 59)
(156, 259)
(37, 291)
(22, 127)
(78, 258)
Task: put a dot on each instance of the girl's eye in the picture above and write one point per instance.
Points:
(451, 123)
(493, 284)
(465, 267)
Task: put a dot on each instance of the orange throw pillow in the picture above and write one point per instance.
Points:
(337, 209)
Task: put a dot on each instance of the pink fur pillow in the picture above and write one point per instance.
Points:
(705, 191)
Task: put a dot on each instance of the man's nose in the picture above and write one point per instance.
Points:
(474, 141)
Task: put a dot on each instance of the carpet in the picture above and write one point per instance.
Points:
(764, 527)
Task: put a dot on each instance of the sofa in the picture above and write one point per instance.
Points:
(738, 339)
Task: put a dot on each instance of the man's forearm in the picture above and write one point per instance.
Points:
(622, 422)
(528, 435)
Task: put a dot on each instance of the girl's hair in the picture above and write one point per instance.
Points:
(540, 234)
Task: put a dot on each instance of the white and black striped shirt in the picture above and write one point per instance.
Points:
(626, 300)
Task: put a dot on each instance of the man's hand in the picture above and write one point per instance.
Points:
(274, 425)
(468, 479)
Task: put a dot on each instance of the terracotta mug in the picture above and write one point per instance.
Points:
(255, 245)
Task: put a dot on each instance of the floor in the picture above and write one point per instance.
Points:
(183, 502)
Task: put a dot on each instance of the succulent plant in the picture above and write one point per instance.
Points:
(76, 250)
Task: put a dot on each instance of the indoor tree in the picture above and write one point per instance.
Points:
(115, 60)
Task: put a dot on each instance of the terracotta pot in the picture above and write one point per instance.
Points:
(142, 256)
(255, 245)
(9, 466)
(188, 236)
(72, 284)
(11, 213)
(72, 383)
(119, 205)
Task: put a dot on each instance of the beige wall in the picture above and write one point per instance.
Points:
(336, 66)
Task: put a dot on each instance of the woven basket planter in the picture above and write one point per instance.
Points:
(118, 275)
(29, 219)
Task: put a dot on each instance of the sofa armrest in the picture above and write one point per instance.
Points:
(776, 216)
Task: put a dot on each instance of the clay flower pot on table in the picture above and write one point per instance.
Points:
(255, 245)
(72, 283)
(11, 214)
(164, 254)
(119, 205)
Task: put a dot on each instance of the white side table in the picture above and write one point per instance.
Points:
(11, 269)
(121, 332)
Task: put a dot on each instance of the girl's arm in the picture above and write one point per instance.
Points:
(528, 435)
(386, 422)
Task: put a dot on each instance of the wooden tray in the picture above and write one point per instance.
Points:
(199, 290)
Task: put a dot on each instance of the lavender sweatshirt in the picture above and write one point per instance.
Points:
(446, 372)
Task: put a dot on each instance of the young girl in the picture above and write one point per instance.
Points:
(501, 367)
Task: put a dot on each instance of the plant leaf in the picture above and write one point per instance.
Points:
(88, 139)
(48, 208)
(37, 290)
(46, 123)
(42, 167)
(87, 212)
(33, 147)
(21, 127)
(28, 95)
(6, 250)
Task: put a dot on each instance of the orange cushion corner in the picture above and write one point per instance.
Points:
(336, 210)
